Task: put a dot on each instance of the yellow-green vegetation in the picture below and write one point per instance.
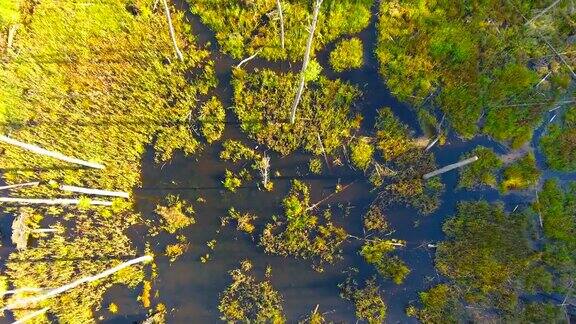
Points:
(559, 144)
(212, 117)
(399, 175)
(244, 222)
(473, 58)
(113, 308)
(262, 101)
(244, 26)
(301, 233)
(347, 55)
(368, 302)
(176, 215)
(361, 152)
(482, 172)
(522, 174)
(231, 181)
(375, 220)
(377, 252)
(439, 305)
(98, 82)
(315, 165)
(235, 151)
(489, 259)
(558, 211)
(249, 300)
(174, 251)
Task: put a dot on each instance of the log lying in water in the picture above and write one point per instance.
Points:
(450, 167)
(56, 155)
(23, 303)
(19, 185)
(97, 192)
(56, 201)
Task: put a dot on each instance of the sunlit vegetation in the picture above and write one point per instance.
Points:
(324, 119)
(315, 165)
(231, 181)
(377, 252)
(250, 301)
(490, 260)
(470, 59)
(245, 27)
(404, 163)
(559, 144)
(483, 172)
(235, 151)
(522, 174)
(99, 82)
(174, 251)
(212, 117)
(361, 153)
(244, 221)
(558, 212)
(347, 55)
(301, 232)
(176, 215)
(367, 300)
(439, 305)
(375, 220)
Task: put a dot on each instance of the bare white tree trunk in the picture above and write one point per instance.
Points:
(31, 315)
(543, 12)
(306, 60)
(56, 155)
(25, 302)
(279, 5)
(450, 167)
(11, 35)
(19, 185)
(248, 58)
(97, 192)
(172, 33)
(56, 201)
(265, 170)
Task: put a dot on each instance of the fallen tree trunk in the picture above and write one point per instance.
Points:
(542, 12)
(305, 62)
(172, 33)
(56, 201)
(11, 35)
(31, 315)
(248, 58)
(19, 185)
(279, 5)
(23, 303)
(450, 167)
(97, 192)
(56, 155)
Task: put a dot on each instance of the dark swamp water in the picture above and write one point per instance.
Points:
(190, 288)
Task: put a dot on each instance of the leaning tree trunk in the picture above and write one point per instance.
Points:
(305, 62)
(97, 192)
(279, 5)
(55, 201)
(172, 33)
(450, 167)
(56, 155)
(25, 302)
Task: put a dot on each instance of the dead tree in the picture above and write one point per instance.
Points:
(279, 5)
(543, 12)
(56, 155)
(265, 170)
(30, 316)
(56, 201)
(11, 35)
(97, 192)
(172, 33)
(25, 302)
(306, 60)
(20, 185)
(21, 231)
(450, 167)
(248, 59)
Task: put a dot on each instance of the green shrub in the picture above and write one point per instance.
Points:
(212, 117)
(522, 174)
(481, 172)
(361, 153)
(348, 55)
